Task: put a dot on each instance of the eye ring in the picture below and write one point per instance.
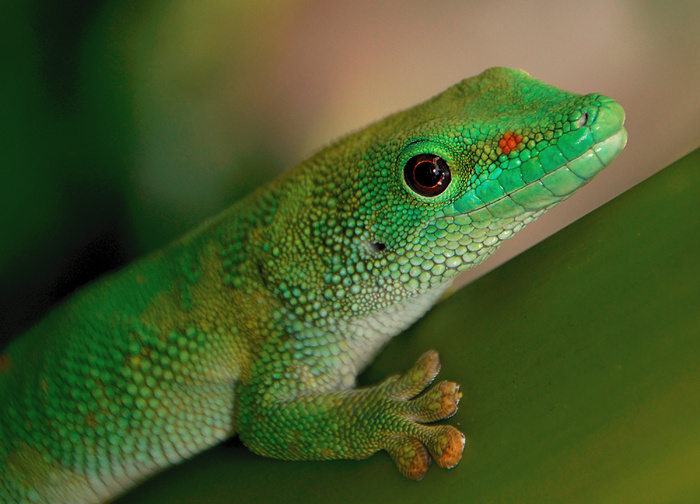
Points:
(427, 174)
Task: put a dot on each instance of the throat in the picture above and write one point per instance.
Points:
(371, 333)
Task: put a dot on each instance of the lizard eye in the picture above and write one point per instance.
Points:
(427, 174)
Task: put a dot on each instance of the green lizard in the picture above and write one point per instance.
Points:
(258, 322)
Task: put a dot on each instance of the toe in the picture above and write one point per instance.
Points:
(438, 403)
(418, 377)
(447, 446)
(410, 455)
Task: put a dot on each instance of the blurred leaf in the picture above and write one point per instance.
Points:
(579, 366)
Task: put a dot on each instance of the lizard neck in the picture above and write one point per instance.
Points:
(332, 354)
(371, 333)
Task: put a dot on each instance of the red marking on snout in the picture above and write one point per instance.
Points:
(510, 142)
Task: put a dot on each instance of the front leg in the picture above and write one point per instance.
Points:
(355, 423)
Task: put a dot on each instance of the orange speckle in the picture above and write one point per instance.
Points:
(510, 142)
(5, 363)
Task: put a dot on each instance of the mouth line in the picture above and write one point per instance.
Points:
(553, 187)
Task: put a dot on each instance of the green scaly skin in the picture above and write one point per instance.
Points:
(258, 322)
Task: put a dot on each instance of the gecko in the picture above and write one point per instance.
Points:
(257, 322)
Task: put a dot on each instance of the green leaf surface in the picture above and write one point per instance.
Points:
(580, 366)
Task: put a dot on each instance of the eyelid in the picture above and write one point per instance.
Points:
(433, 146)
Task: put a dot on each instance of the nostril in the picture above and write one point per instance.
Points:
(582, 120)
(377, 247)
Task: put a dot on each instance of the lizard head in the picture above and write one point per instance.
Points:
(479, 162)
(400, 208)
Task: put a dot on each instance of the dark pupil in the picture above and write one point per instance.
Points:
(427, 173)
